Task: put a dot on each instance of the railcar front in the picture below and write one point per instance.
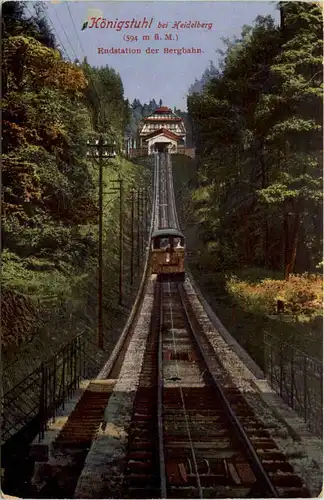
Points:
(168, 254)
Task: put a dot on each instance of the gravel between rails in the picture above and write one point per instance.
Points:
(103, 468)
(306, 457)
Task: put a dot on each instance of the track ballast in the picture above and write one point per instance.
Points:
(186, 435)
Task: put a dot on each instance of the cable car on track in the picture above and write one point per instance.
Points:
(168, 254)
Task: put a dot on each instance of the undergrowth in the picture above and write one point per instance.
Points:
(47, 301)
(245, 299)
(301, 295)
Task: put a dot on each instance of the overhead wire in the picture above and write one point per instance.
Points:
(75, 31)
(81, 46)
(60, 41)
(59, 20)
(72, 48)
(77, 36)
(93, 84)
(53, 27)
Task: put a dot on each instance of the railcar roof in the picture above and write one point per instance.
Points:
(167, 232)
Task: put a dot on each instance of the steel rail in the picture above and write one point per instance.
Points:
(168, 222)
(107, 368)
(160, 402)
(163, 204)
(193, 453)
(171, 187)
(156, 219)
(255, 462)
(160, 200)
(168, 192)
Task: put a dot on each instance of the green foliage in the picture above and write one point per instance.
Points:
(104, 94)
(46, 285)
(246, 307)
(50, 187)
(15, 22)
(302, 295)
(258, 127)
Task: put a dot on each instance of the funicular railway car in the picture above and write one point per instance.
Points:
(168, 254)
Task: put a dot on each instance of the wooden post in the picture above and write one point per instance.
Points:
(121, 237)
(132, 239)
(138, 228)
(100, 256)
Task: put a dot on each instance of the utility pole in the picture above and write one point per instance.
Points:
(141, 226)
(146, 215)
(143, 223)
(121, 236)
(132, 238)
(101, 150)
(100, 256)
(138, 228)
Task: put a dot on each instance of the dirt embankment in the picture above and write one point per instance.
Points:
(18, 317)
(245, 299)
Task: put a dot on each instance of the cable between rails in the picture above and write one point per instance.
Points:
(175, 213)
(182, 398)
(160, 404)
(255, 462)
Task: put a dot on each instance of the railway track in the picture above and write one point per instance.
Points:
(196, 446)
(173, 216)
(167, 214)
(183, 434)
(204, 448)
(71, 446)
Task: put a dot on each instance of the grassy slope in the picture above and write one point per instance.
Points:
(242, 313)
(63, 302)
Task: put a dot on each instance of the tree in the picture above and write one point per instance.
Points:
(16, 22)
(258, 133)
(209, 73)
(295, 132)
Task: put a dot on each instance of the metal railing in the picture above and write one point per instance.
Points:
(297, 378)
(38, 396)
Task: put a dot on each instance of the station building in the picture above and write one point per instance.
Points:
(162, 131)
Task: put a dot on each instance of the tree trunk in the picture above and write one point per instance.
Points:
(4, 83)
(266, 241)
(294, 243)
(282, 19)
(247, 238)
(286, 245)
(291, 242)
(264, 183)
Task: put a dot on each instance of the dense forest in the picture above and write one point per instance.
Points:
(139, 111)
(258, 134)
(251, 203)
(257, 197)
(51, 107)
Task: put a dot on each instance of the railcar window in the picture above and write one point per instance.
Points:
(164, 242)
(178, 242)
(160, 243)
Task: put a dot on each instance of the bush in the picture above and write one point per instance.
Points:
(302, 294)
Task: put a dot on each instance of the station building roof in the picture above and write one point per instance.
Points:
(162, 113)
(163, 109)
(164, 131)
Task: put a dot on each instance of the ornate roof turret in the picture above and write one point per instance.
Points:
(163, 118)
